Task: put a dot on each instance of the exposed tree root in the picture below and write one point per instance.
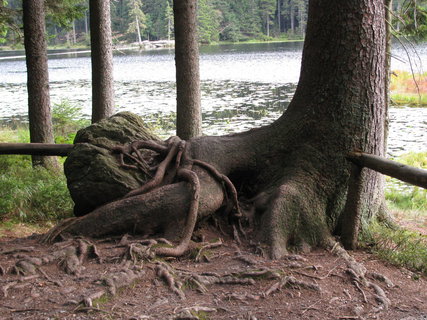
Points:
(246, 260)
(163, 273)
(88, 300)
(191, 218)
(263, 273)
(70, 262)
(70, 258)
(192, 312)
(7, 286)
(381, 277)
(17, 250)
(56, 233)
(229, 186)
(182, 170)
(174, 144)
(205, 247)
(317, 277)
(112, 281)
(122, 278)
(137, 252)
(359, 275)
(291, 282)
(131, 254)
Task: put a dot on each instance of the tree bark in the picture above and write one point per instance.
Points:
(188, 114)
(39, 114)
(292, 176)
(102, 60)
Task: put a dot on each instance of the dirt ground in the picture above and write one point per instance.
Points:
(117, 279)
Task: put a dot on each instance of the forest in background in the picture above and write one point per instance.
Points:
(218, 20)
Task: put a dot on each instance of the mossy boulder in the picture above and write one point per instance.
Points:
(94, 176)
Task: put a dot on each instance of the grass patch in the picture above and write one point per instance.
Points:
(399, 246)
(32, 195)
(67, 120)
(408, 89)
(36, 195)
(402, 196)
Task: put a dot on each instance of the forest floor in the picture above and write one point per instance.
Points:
(115, 279)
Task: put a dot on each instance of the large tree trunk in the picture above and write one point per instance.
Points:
(189, 115)
(39, 114)
(292, 175)
(102, 60)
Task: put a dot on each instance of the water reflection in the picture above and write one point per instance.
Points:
(243, 86)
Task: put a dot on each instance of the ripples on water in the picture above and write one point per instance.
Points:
(243, 86)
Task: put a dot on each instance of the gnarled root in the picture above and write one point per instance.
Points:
(359, 275)
(191, 218)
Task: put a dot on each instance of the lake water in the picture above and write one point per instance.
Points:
(243, 86)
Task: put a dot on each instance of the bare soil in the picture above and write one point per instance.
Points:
(112, 279)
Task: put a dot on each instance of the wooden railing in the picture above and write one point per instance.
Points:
(36, 149)
(415, 176)
(349, 221)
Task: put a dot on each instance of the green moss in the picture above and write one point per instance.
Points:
(201, 315)
(105, 298)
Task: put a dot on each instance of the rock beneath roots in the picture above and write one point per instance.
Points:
(94, 176)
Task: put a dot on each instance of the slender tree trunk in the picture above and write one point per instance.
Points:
(388, 4)
(67, 38)
(56, 35)
(169, 28)
(86, 23)
(292, 15)
(74, 32)
(138, 32)
(189, 115)
(415, 15)
(268, 25)
(102, 60)
(301, 18)
(39, 113)
(398, 9)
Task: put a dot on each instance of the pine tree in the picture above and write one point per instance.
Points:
(137, 17)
